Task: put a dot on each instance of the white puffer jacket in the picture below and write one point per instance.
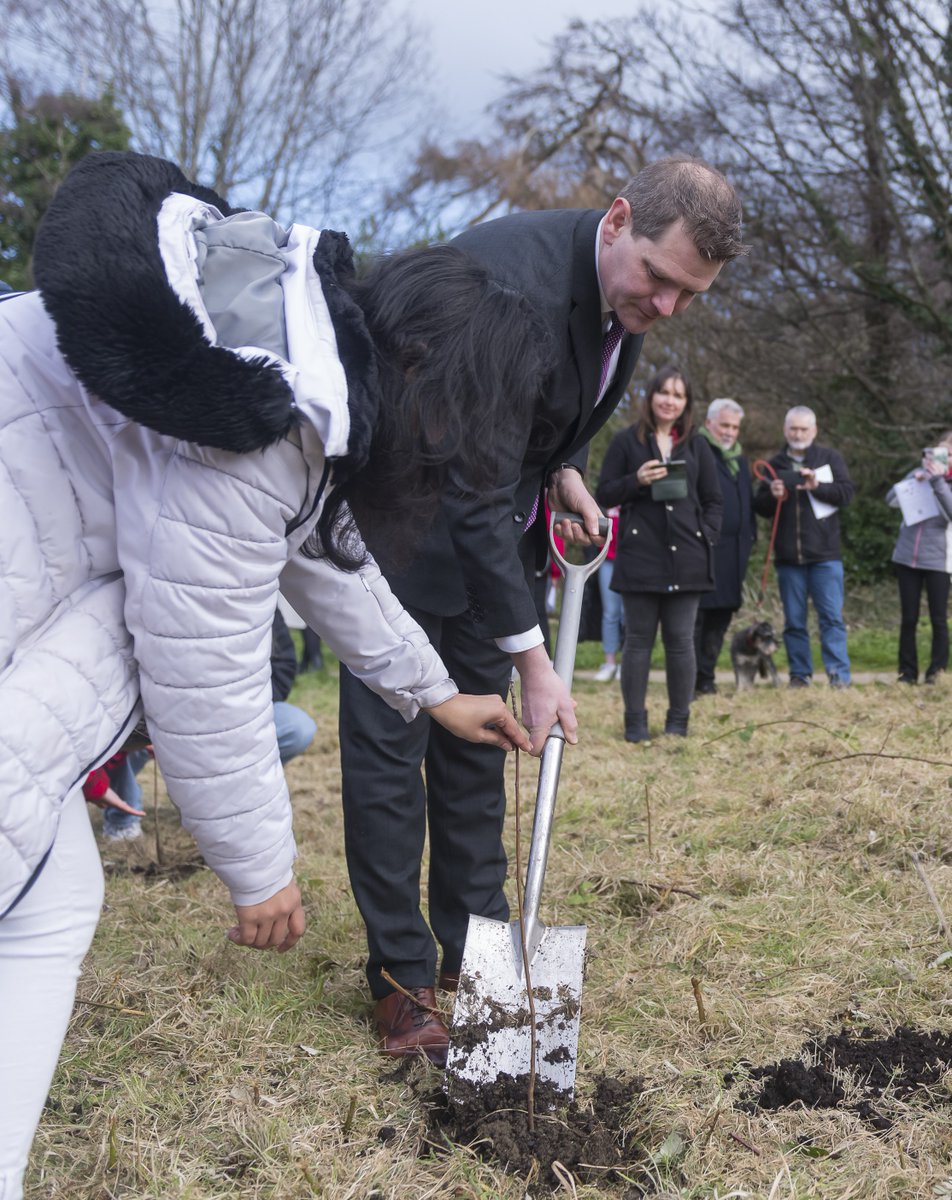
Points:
(136, 562)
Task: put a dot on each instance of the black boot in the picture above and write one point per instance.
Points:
(676, 722)
(636, 726)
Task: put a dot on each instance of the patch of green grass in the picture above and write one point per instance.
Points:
(872, 618)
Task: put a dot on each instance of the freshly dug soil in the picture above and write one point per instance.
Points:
(905, 1063)
(588, 1136)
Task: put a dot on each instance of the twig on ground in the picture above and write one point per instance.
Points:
(648, 815)
(118, 1008)
(822, 762)
(668, 888)
(751, 728)
(735, 1137)
(699, 1001)
(933, 898)
(398, 987)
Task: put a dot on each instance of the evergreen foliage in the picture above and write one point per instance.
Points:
(43, 140)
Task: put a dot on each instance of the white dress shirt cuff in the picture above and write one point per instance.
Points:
(521, 641)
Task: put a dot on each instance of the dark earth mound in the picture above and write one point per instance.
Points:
(905, 1063)
(588, 1137)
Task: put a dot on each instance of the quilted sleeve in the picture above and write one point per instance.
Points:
(202, 580)
(370, 631)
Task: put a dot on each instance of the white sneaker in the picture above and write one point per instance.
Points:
(607, 672)
(128, 833)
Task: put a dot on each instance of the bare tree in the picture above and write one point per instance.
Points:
(834, 118)
(563, 137)
(268, 101)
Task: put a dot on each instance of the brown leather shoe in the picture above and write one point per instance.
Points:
(407, 1027)
(448, 981)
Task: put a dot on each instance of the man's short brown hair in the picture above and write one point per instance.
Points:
(689, 190)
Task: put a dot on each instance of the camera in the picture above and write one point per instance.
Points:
(939, 454)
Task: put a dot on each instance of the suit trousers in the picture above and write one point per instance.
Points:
(388, 810)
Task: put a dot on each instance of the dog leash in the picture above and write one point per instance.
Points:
(764, 472)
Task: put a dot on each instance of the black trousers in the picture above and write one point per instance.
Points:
(388, 809)
(675, 612)
(709, 630)
(936, 583)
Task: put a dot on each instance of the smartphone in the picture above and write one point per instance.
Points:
(790, 478)
(939, 454)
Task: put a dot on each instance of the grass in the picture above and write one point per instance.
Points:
(872, 621)
(196, 1070)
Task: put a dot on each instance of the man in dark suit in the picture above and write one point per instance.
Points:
(600, 280)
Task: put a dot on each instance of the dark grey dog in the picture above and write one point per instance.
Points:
(752, 651)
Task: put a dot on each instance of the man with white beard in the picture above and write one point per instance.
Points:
(811, 485)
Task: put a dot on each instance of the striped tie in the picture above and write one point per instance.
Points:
(613, 336)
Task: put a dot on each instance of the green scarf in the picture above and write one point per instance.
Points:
(731, 457)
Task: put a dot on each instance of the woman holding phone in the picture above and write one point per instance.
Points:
(663, 476)
(923, 559)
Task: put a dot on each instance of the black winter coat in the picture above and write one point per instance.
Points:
(664, 546)
(801, 538)
(737, 536)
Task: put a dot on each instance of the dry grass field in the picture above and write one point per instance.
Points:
(766, 856)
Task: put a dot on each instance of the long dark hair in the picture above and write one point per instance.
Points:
(462, 360)
(645, 422)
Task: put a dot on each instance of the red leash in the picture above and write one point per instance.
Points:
(764, 473)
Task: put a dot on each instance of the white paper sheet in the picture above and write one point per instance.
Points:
(820, 508)
(916, 499)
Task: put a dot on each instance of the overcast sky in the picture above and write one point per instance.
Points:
(474, 43)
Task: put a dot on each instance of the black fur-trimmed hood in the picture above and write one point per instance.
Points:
(133, 342)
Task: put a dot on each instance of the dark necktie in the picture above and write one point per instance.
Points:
(609, 343)
(613, 336)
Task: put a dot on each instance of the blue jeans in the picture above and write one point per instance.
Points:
(611, 608)
(123, 782)
(823, 584)
(295, 730)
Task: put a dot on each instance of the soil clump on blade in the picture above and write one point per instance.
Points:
(590, 1136)
(869, 1064)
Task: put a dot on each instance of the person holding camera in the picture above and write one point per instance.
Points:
(810, 483)
(664, 477)
(923, 559)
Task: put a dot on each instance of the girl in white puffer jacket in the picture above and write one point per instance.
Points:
(189, 410)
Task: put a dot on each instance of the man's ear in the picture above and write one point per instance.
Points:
(616, 219)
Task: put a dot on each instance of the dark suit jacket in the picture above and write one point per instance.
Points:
(476, 556)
